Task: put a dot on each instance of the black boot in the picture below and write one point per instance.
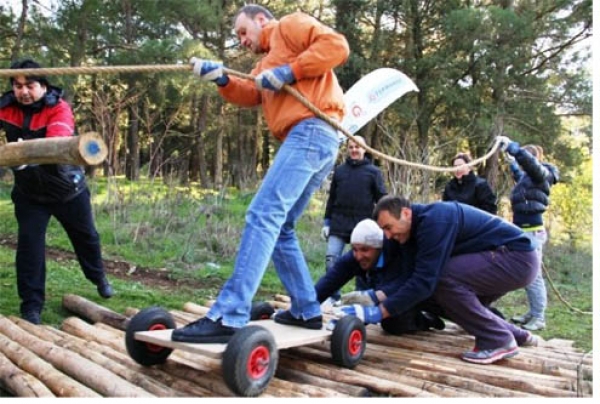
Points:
(105, 290)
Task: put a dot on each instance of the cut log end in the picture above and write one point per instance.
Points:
(92, 148)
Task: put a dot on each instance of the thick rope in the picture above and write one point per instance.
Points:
(560, 297)
(289, 89)
(188, 67)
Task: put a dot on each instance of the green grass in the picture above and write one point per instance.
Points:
(194, 235)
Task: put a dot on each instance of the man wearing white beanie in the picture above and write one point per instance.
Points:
(383, 266)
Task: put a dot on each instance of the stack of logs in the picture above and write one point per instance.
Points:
(89, 359)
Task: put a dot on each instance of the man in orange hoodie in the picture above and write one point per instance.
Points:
(301, 52)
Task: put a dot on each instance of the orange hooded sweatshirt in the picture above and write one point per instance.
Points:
(312, 50)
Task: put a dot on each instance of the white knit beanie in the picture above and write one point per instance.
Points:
(367, 232)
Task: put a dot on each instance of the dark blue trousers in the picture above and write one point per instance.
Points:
(76, 218)
(470, 282)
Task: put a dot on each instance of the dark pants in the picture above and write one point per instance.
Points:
(412, 320)
(76, 218)
(470, 282)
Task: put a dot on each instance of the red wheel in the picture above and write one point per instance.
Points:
(258, 362)
(355, 342)
(149, 319)
(250, 360)
(348, 341)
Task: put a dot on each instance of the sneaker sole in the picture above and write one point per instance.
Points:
(486, 361)
(310, 326)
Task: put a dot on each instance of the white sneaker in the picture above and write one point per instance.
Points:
(535, 324)
(532, 340)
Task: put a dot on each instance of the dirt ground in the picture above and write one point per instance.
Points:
(151, 277)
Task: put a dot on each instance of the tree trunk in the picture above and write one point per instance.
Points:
(16, 49)
(132, 166)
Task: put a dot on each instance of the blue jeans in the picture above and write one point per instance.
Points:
(536, 290)
(303, 161)
(335, 248)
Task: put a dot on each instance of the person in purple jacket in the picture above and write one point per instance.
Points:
(464, 259)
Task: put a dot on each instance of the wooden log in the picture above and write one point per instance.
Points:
(20, 383)
(94, 312)
(296, 376)
(530, 364)
(60, 384)
(186, 388)
(496, 374)
(354, 377)
(194, 308)
(86, 149)
(81, 347)
(324, 359)
(96, 377)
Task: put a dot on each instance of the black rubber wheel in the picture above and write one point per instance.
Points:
(261, 311)
(250, 360)
(348, 341)
(148, 319)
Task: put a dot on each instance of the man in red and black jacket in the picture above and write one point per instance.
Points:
(34, 109)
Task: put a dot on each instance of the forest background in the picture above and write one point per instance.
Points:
(483, 69)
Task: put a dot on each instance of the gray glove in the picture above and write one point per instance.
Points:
(362, 297)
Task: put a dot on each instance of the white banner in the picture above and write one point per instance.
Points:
(372, 94)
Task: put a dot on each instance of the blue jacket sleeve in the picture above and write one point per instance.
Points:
(342, 271)
(536, 171)
(433, 244)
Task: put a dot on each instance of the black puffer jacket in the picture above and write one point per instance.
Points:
(472, 190)
(356, 187)
(531, 195)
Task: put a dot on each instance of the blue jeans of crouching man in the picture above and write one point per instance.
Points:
(536, 291)
(303, 161)
(470, 282)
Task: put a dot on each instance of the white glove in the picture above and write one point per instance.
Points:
(209, 70)
(504, 142)
(325, 232)
(508, 158)
(362, 297)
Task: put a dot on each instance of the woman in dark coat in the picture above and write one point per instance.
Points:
(466, 187)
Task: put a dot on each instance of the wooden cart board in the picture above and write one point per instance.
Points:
(286, 336)
(250, 358)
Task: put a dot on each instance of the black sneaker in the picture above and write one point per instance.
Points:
(204, 331)
(433, 321)
(105, 290)
(32, 316)
(285, 317)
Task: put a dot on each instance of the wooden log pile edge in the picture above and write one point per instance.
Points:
(86, 357)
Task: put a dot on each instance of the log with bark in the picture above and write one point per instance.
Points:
(60, 384)
(94, 312)
(84, 349)
(86, 149)
(20, 383)
(96, 377)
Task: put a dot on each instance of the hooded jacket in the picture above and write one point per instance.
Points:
(530, 196)
(50, 116)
